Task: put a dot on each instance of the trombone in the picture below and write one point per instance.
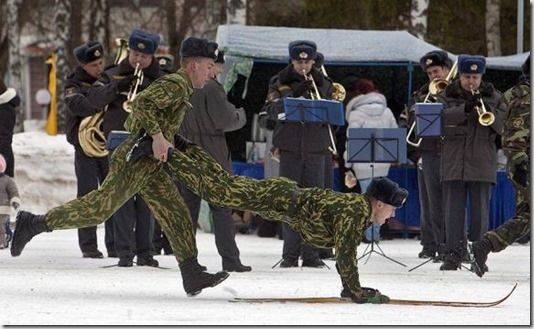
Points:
(435, 87)
(317, 96)
(485, 118)
(132, 93)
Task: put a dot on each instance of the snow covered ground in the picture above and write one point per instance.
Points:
(51, 284)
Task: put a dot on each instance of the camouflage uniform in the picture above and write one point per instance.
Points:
(159, 108)
(516, 146)
(324, 218)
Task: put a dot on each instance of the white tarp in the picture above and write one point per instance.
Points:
(337, 45)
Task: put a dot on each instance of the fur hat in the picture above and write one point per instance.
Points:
(3, 164)
(435, 58)
(166, 62)
(302, 49)
(471, 64)
(197, 47)
(526, 67)
(220, 57)
(143, 42)
(387, 191)
(89, 52)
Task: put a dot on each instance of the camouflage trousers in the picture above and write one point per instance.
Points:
(516, 227)
(147, 177)
(271, 198)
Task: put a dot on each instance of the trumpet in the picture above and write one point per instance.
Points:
(485, 118)
(338, 93)
(435, 87)
(132, 93)
(317, 96)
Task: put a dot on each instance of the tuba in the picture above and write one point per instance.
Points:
(90, 133)
(91, 136)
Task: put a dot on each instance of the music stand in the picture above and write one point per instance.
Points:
(376, 145)
(429, 124)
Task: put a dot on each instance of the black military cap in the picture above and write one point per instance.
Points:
(526, 67)
(143, 42)
(471, 64)
(88, 52)
(435, 58)
(165, 61)
(197, 47)
(387, 191)
(220, 57)
(302, 49)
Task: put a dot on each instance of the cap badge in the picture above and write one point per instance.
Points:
(141, 45)
(428, 61)
(216, 52)
(474, 67)
(97, 53)
(162, 61)
(303, 55)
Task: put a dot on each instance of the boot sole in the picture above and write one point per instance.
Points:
(15, 252)
(215, 283)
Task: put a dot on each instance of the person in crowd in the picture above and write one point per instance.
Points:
(166, 62)
(516, 145)
(9, 101)
(9, 198)
(472, 119)
(158, 112)
(301, 146)
(212, 115)
(437, 65)
(91, 165)
(368, 109)
(133, 222)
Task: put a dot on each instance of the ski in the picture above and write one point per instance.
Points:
(115, 265)
(339, 300)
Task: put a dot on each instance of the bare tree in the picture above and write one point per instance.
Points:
(14, 69)
(493, 29)
(62, 21)
(99, 29)
(419, 16)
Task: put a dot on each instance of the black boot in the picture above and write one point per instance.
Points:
(452, 262)
(479, 251)
(194, 280)
(27, 226)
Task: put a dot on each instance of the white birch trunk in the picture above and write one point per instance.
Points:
(493, 29)
(15, 65)
(62, 21)
(419, 16)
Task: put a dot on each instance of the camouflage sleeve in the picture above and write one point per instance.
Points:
(516, 128)
(347, 236)
(160, 95)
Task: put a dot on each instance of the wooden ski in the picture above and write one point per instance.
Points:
(339, 300)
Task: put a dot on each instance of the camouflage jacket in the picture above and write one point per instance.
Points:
(516, 128)
(162, 106)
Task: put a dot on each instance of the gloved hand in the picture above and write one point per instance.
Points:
(369, 296)
(520, 175)
(15, 205)
(125, 83)
(302, 88)
(472, 102)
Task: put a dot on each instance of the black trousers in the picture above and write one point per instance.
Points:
(307, 170)
(133, 227)
(223, 225)
(90, 173)
(431, 199)
(456, 193)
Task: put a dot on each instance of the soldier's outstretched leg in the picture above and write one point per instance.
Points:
(27, 226)
(194, 279)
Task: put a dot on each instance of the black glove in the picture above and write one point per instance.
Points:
(125, 83)
(369, 296)
(302, 88)
(520, 175)
(472, 102)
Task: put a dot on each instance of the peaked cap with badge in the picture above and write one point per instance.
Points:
(435, 58)
(471, 64)
(143, 41)
(302, 50)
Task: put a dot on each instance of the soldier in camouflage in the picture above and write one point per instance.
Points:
(158, 111)
(323, 217)
(516, 146)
